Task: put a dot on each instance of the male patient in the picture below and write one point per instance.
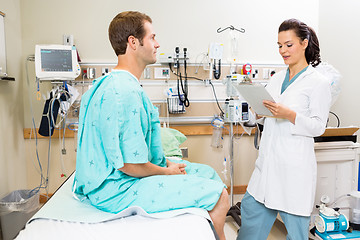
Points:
(120, 161)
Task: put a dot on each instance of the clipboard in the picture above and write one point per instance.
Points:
(254, 94)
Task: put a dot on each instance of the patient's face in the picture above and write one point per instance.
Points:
(147, 50)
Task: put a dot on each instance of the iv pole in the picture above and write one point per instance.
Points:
(231, 164)
(234, 210)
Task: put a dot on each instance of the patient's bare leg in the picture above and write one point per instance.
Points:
(218, 213)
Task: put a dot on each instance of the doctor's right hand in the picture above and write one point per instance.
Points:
(280, 111)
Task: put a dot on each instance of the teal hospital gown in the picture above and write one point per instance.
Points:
(118, 124)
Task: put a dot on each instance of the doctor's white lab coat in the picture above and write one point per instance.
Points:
(285, 171)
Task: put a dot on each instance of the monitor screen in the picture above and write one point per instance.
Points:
(56, 62)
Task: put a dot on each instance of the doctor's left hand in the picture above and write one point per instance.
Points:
(280, 111)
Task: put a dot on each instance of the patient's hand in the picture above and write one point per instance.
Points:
(175, 168)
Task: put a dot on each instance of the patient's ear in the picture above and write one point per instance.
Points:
(132, 42)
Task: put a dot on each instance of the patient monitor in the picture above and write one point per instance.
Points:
(56, 62)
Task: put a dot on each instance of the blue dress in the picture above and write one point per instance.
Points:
(118, 124)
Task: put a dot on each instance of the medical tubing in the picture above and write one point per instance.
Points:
(238, 138)
(177, 79)
(217, 102)
(63, 137)
(195, 78)
(63, 122)
(202, 61)
(49, 148)
(178, 89)
(217, 72)
(212, 122)
(62, 143)
(65, 112)
(338, 198)
(52, 115)
(48, 163)
(184, 101)
(33, 128)
(185, 72)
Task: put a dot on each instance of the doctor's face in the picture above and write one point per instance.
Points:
(149, 46)
(291, 48)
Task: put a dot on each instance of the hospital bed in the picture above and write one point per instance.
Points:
(64, 217)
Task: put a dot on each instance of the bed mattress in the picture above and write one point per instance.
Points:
(64, 217)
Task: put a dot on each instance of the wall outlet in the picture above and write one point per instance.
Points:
(90, 73)
(104, 71)
(68, 40)
(266, 73)
(147, 73)
(255, 73)
(272, 72)
(161, 73)
(83, 72)
(184, 152)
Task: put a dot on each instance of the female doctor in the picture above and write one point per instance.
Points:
(284, 179)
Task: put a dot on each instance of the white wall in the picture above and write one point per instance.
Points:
(192, 24)
(186, 23)
(339, 42)
(12, 148)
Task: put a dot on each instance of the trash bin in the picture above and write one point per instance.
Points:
(15, 210)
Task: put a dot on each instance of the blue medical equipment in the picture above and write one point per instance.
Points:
(330, 224)
(326, 223)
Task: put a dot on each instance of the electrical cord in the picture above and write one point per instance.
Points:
(337, 118)
(217, 102)
(176, 74)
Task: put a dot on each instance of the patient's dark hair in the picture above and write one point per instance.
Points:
(302, 31)
(124, 25)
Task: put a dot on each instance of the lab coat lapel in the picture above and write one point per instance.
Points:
(308, 71)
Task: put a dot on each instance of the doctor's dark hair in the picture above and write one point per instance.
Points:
(302, 31)
(124, 25)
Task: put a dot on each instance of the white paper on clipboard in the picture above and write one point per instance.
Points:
(254, 94)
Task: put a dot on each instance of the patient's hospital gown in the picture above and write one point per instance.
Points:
(118, 124)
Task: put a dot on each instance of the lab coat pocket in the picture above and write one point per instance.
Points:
(295, 152)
